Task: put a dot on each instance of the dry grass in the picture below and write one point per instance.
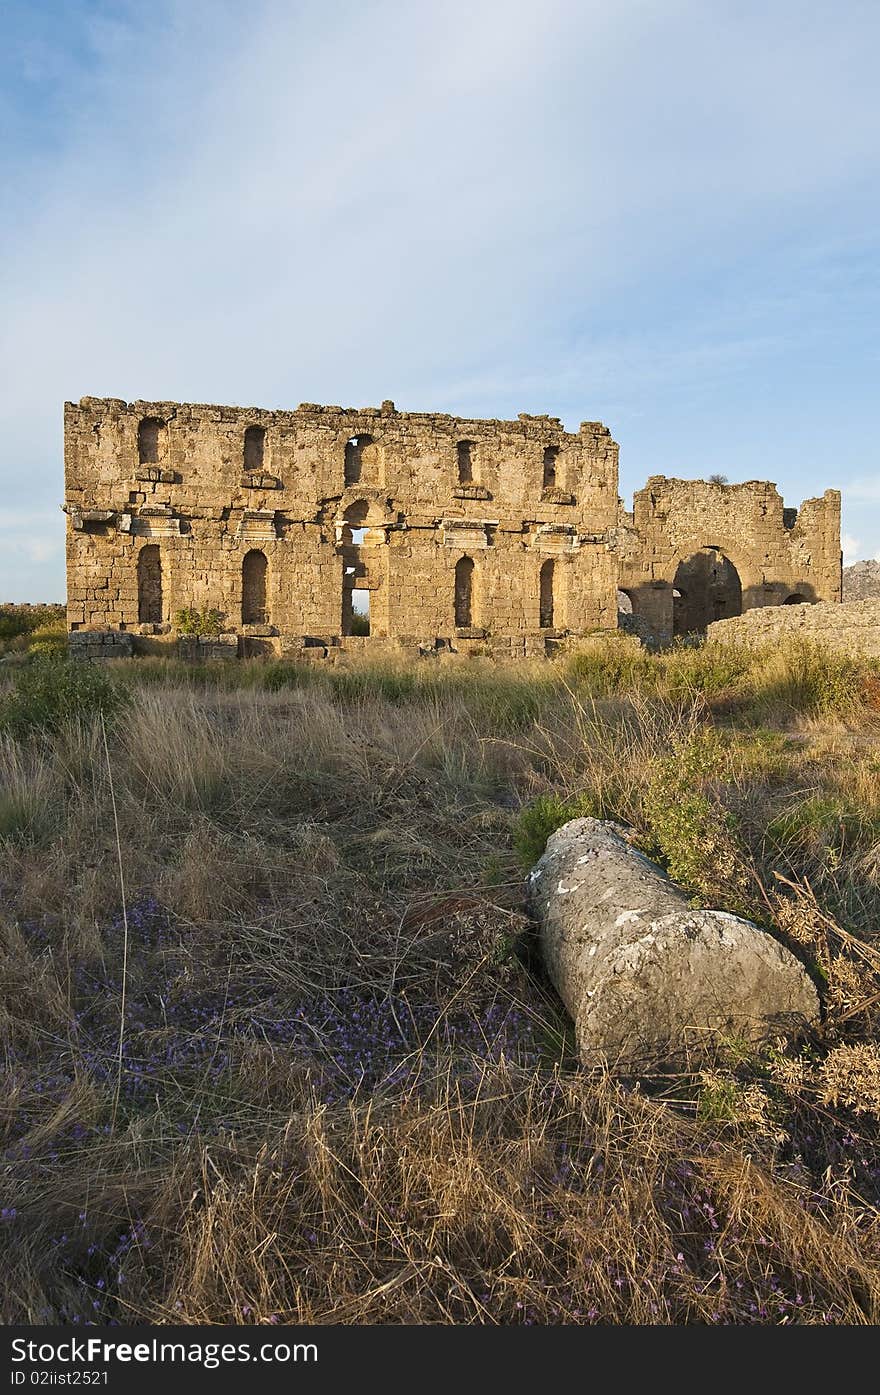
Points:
(347, 1093)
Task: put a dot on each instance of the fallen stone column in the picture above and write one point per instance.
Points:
(646, 976)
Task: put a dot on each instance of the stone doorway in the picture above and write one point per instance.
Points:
(546, 596)
(464, 593)
(707, 587)
(149, 584)
(254, 570)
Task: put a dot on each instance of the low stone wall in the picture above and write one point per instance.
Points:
(99, 644)
(853, 626)
(207, 648)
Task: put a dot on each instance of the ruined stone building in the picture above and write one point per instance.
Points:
(315, 526)
(692, 552)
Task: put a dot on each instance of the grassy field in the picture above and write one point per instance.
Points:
(276, 1045)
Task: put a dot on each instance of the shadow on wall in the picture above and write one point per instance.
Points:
(706, 587)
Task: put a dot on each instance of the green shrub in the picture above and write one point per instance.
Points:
(688, 827)
(390, 683)
(360, 624)
(761, 754)
(719, 1099)
(49, 639)
(683, 669)
(23, 619)
(190, 621)
(50, 692)
(541, 818)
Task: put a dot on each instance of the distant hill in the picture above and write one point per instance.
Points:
(861, 581)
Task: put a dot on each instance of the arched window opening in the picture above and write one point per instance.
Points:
(464, 452)
(795, 599)
(706, 588)
(149, 584)
(355, 603)
(361, 457)
(150, 440)
(546, 596)
(254, 448)
(551, 455)
(464, 593)
(254, 570)
(355, 523)
(352, 461)
(624, 603)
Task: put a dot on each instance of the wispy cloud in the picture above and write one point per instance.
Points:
(852, 549)
(863, 491)
(635, 212)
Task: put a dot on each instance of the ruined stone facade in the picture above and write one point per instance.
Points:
(306, 528)
(693, 552)
(454, 529)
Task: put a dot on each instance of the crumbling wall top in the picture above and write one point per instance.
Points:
(526, 424)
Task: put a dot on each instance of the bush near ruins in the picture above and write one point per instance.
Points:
(542, 817)
(49, 639)
(52, 692)
(346, 1092)
(19, 624)
(192, 621)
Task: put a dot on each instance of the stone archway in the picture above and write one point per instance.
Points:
(362, 461)
(546, 578)
(706, 587)
(464, 593)
(254, 572)
(149, 585)
(151, 440)
(362, 543)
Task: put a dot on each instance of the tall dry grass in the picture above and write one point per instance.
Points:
(347, 1093)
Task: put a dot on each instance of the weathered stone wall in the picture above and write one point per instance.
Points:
(853, 626)
(200, 648)
(505, 534)
(100, 644)
(381, 501)
(724, 547)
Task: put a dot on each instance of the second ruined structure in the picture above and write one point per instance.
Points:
(317, 527)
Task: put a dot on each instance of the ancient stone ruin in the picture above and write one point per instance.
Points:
(853, 627)
(695, 551)
(324, 527)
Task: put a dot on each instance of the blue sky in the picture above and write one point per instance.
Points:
(662, 214)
